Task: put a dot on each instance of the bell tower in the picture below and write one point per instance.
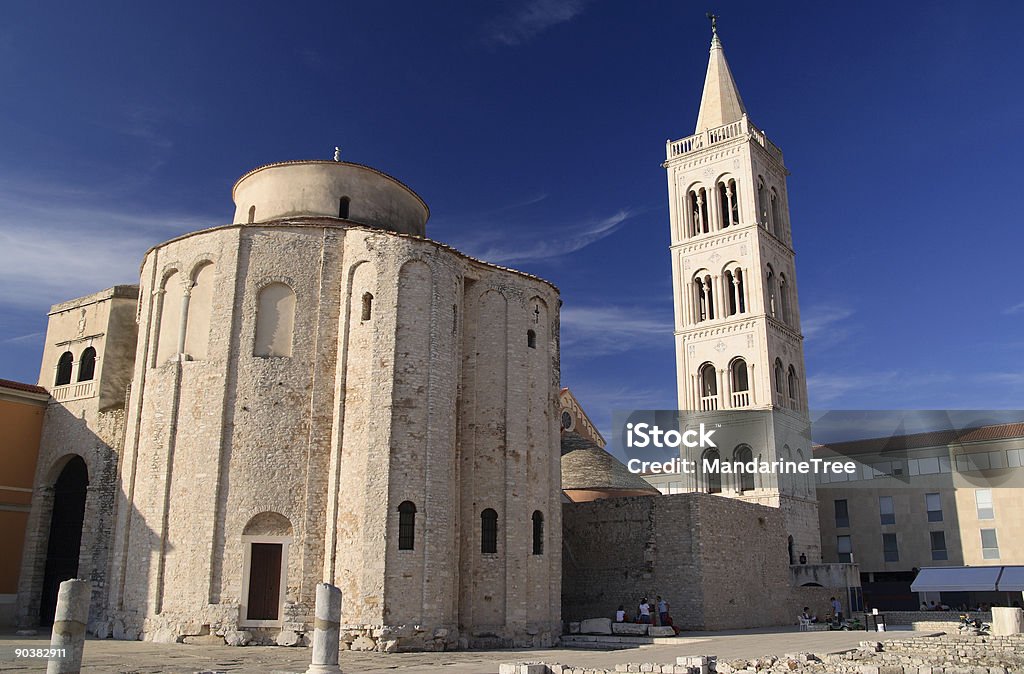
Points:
(739, 352)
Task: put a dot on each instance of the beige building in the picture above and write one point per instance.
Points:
(318, 392)
(945, 498)
(739, 353)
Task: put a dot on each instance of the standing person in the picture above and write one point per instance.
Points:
(620, 615)
(662, 610)
(837, 609)
(645, 611)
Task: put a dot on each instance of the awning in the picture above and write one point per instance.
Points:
(1012, 579)
(957, 579)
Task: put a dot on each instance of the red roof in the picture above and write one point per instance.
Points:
(18, 386)
(928, 439)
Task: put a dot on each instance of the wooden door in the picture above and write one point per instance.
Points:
(264, 581)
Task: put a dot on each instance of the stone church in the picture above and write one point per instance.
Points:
(315, 392)
(319, 392)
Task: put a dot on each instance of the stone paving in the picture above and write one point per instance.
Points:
(137, 657)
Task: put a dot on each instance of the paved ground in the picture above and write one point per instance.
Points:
(136, 657)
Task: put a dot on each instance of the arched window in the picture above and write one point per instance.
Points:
(200, 311)
(734, 195)
(705, 298)
(87, 365)
(784, 297)
(740, 383)
(778, 378)
(64, 364)
(776, 217)
(275, 321)
(252, 214)
(723, 204)
(406, 525)
(743, 456)
(171, 297)
(699, 211)
(488, 531)
(538, 532)
(793, 387)
(770, 288)
(712, 471)
(708, 387)
(741, 302)
(343, 207)
(367, 306)
(531, 339)
(762, 203)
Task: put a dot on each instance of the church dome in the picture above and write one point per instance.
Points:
(590, 472)
(336, 189)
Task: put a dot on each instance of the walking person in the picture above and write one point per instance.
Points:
(662, 610)
(837, 610)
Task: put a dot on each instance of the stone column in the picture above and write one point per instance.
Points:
(1006, 621)
(69, 627)
(326, 630)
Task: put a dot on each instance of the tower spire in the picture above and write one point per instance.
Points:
(721, 103)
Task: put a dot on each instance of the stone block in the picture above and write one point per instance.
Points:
(507, 668)
(204, 640)
(660, 631)
(596, 626)
(1006, 621)
(574, 628)
(288, 638)
(631, 629)
(238, 637)
(363, 643)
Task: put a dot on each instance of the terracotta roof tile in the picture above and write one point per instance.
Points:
(927, 439)
(19, 386)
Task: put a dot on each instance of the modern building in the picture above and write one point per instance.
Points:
(315, 392)
(21, 420)
(939, 499)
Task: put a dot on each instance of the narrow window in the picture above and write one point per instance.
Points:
(488, 531)
(844, 549)
(708, 387)
(64, 369)
(793, 387)
(703, 201)
(738, 275)
(784, 298)
(934, 504)
(367, 306)
(735, 209)
(252, 214)
(343, 207)
(890, 548)
(538, 532)
(87, 365)
(723, 203)
(406, 525)
(770, 287)
(455, 319)
(842, 513)
(886, 510)
(743, 457)
(983, 498)
(531, 339)
(938, 539)
(778, 378)
(694, 207)
(776, 217)
(713, 473)
(762, 203)
(989, 544)
(730, 293)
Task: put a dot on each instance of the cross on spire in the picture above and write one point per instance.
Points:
(714, 23)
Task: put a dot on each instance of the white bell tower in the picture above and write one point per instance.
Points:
(737, 319)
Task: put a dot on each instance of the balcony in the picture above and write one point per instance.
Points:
(709, 403)
(77, 391)
(721, 134)
(741, 399)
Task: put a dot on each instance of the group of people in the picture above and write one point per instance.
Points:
(645, 613)
(983, 607)
(835, 616)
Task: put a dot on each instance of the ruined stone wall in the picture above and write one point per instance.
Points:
(721, 563)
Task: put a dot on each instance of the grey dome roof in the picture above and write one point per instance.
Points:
(586, 466)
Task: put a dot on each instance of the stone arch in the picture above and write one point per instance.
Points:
(275, 321)
(712, 478)
(200, 309)
(268, 523)
(69, 477)
(170, 299)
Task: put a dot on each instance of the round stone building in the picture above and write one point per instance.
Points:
(320, 393)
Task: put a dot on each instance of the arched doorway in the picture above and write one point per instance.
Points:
(65, 539)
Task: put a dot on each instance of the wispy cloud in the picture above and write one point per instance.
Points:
(530, 19)
(1015, 309)
(823, 322)
(555, 242)
(51, 251)
(603, 330)
(22, 339)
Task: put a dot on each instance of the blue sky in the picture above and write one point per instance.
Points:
(535, 130)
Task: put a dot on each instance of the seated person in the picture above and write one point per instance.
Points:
(620, 615)
(806, 615)
(924, 606)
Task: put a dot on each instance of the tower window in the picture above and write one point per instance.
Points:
(743, 456)
(770, 287)
(87, 365)
(784, 298)
(705, 298)
(793, 387)
(488, 531)
(406, 525)
(713, 477)
(252, 214)
(776, 217)
(64, 369)
(343, 207)
(708, 387)
(762, 203)
(740, 383)
(538, 532)
(778, 378)
(531, 339)
(367, 306)
(723, 203)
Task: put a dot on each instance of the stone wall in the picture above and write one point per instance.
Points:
(721, 563)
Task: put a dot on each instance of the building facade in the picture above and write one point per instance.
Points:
(318, 393)
(739, 353)
(944, 498)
